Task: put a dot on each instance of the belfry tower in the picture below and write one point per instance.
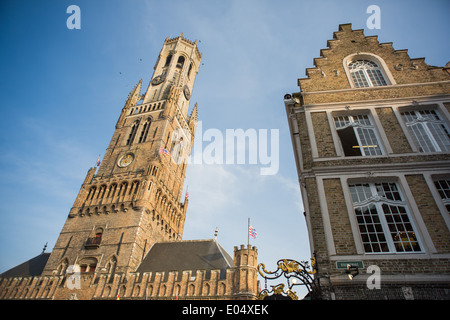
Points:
(135, 198)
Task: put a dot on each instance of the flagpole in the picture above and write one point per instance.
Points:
(248, 233)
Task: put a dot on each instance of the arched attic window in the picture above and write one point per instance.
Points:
(144, 131)
(132, 133)
(366, 73)
(180, 62)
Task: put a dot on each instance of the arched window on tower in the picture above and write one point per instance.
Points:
(168, 59)
(144, 131)
(132, 133)
(180, 62)
(366, 73)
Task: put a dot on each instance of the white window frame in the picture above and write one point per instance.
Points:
(445, 200)
(378, 201)
(388, 78)
(424, 122)
(366, 77)
(353, 122)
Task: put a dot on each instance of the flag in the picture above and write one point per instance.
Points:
(187, 193)
(164, 151)
(252, 232)
(98, 161)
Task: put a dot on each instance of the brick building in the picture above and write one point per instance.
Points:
(370, 132)
(123, 235)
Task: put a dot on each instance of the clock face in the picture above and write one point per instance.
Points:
(126, 160)
(187, 92)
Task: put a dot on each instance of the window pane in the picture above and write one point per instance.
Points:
(441, 135)
(360, 192)
(363, 70)
(383, 221)
(376, 77)
(428, 131)
(443, 187)
(421, 138)
(369, 143)
(372, 234)
(341, 121)
(400, 228)
(359, 79)
(388, 191)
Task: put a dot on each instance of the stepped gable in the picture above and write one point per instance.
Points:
(329, 72)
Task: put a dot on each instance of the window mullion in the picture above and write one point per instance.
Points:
(367, 78)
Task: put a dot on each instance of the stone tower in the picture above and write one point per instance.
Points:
(135, 198)
(245, 263)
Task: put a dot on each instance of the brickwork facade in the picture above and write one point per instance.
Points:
(370, 130)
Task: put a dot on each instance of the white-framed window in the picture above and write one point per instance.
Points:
(358, 135)
(383, 218)
(366, 73)
(443, 187)
(428, 130)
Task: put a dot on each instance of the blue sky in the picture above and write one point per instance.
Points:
(62, 90)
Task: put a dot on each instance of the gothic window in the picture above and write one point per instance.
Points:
(366, 73)
(428, 130)
(358, 135)
(168, 59)
(144, 131)
(132, 133)
(180, 62)
(443, 187)
(190, 69)
(383, 218)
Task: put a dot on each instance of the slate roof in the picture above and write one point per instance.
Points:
(186, 255)
(32, 267)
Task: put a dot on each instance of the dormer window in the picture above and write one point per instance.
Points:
(366, 73)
